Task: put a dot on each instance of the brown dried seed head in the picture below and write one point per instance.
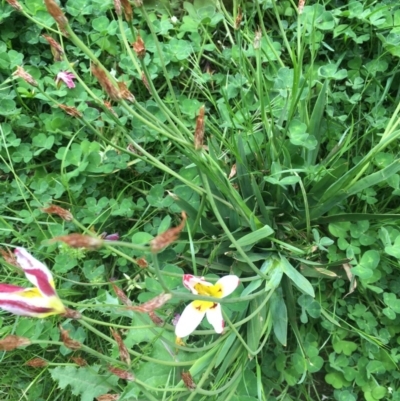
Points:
(199, 132)
(105, 82)
(232, 172)
(125, 93)
(59, 211)
(123, 351)
(11, 342)
(139, 47)
(238, 18)
(142, 262)
(155, 319)
(21, 73)
(72, 314)
(117, 6)
(108, 397)
(109, 107)
(68, 341)
(301, 5)
(79, 361)
(14, 4)
(9, 257)
(153, 304)
(167, 237)
(72, 111)
(123, 374)
(127, 10)
(145, 81)
(257, 39)
(188, 380)
(56, 48)
(79, 241)
(56, 12)
(121, 295)
(36, 363)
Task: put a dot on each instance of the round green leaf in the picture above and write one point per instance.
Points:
(101, 24)
(7, 107)
(345, 347)
(141, 238)
(336, 380)
(379, 392)
(370, 259)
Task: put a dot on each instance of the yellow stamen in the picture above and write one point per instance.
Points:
(31, 293)
(212, 290)
(203, 306)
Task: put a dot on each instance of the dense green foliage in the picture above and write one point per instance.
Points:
(296, 191)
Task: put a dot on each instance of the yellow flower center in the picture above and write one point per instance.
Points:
(211, 291)
(31, 293)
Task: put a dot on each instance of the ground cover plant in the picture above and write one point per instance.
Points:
(144, 146)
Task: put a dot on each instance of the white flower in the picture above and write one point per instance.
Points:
(174, 20)
(195, 311)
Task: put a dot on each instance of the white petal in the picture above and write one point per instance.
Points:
(188, 321)
(214, 317)
(190, 281)
(228, 284)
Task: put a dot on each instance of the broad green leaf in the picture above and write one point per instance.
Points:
(243, 173)
(279, 317)
(297, 278)
(370, 259)
(7, 107)
(172, 281)
(256, 326)
(314, 127)
(85, 381)
(345, 187)
(254, 237)
(336, 380)
(345, 347)
(392, 301)
(225, 348)
(299, 137)
(394, 250)
(101, 24)
(141, 238)
(379, 392)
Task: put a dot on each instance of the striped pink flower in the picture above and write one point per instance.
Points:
(39, 301)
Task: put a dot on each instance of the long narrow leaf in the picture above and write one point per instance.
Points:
(314, 127)
(297, 278)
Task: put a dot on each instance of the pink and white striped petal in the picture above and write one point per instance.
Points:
(190, 281)
(36, 272)
(214, 317)
(30, 302)
(8, 288)
(228, 284)
(189, 320)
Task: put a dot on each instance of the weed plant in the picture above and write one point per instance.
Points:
(274, 126)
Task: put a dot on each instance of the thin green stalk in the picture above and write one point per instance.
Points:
(127, 47)
(160, 55)
(156, 267)
(138, 355)
(226, 229)
(83, 347)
